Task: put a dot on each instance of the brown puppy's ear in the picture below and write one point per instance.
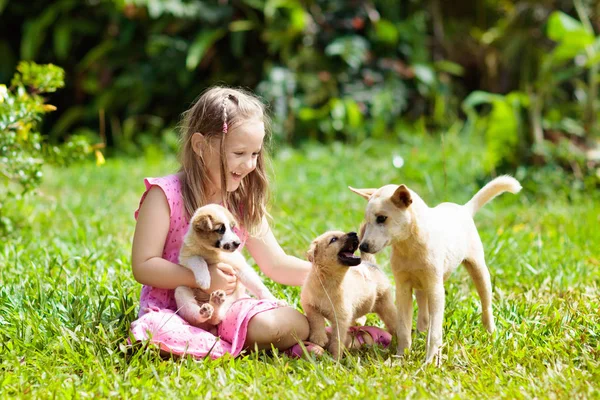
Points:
(364, 193)
(312, 252)
(203, 223)
(401, 197)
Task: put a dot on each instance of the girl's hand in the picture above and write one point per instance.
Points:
(222, 277)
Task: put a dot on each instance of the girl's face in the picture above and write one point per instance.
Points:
(243, 144)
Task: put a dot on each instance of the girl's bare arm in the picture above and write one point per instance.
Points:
(273, 261)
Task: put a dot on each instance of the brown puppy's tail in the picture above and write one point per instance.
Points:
(497, 186)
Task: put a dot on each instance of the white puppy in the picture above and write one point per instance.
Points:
(427, 245)
(210, 239)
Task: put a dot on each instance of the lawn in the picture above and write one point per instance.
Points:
(68, 295)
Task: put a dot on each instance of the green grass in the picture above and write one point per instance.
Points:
(67, 295)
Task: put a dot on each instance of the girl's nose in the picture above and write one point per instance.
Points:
(251, 163)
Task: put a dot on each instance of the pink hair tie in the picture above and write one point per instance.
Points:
(224, 127)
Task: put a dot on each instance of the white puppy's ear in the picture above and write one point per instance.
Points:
(203, 223)
(401, 197)
(364, 193)
(312, 252)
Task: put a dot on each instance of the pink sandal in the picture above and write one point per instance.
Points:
(301, 350)
(380, 336)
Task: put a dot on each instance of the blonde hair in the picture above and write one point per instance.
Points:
(216, 111)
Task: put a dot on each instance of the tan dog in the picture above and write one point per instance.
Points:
(427, 245)
(210, 240)
(341, 289)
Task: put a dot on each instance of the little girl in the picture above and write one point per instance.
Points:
(222, 162)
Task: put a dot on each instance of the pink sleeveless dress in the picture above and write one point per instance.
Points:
(158, 320)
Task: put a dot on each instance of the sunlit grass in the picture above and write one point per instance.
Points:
(68, 296)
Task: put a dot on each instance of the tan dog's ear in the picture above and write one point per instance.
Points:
(401, 197)
(203, 223)
(364, 193)
(312, 252)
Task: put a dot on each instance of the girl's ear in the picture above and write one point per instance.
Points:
(198, 143)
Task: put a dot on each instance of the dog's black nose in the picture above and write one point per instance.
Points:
(235, 245)
(226, 246)
(352, 234)
(364, 247)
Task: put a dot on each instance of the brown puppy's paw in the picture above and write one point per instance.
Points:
(206, 311)
(318, 339)
(218, 297)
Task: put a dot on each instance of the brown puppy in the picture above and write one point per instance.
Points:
(211, 240)
(341, 294)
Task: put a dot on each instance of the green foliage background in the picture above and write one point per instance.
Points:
(330, 70)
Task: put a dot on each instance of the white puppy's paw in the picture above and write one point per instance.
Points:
(218, 297)
(206, 311)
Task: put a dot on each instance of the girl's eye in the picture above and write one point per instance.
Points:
(239, 154)
(381, 219)
(333, 239)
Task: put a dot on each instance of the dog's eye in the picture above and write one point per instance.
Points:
(220, 230)
(333, 239)
(381, 219)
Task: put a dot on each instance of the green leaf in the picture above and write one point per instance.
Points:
(571, 35)
(62, 40)
(450, 67)
(561, 25)
(200, 45)
(477, 98)
(352, 49)
(34, 33)
(242, 25)
(386, 32)
(425, 74)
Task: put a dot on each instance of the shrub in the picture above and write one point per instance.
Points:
(23, 150)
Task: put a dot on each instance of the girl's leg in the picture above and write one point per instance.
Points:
(280, 327)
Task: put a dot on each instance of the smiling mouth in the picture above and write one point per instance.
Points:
(236, 175)
(346, 255)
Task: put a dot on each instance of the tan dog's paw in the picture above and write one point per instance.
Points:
(218, 297)
(319, 339)
(336, 350)
(206, 311)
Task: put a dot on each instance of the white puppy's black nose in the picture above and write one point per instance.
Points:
(235, 245)
(364, 247)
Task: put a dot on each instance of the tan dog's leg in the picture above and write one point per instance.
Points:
(436, 301)
(481, 277)
(316, 322)
(188, 307)
(339, 335)
(404, 306)
(387, 312)
(423, 313)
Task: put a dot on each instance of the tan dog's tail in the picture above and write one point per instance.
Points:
(497, 186)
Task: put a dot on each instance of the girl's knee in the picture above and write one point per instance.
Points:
(280, 326)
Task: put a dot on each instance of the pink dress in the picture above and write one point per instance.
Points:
(158, 320)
